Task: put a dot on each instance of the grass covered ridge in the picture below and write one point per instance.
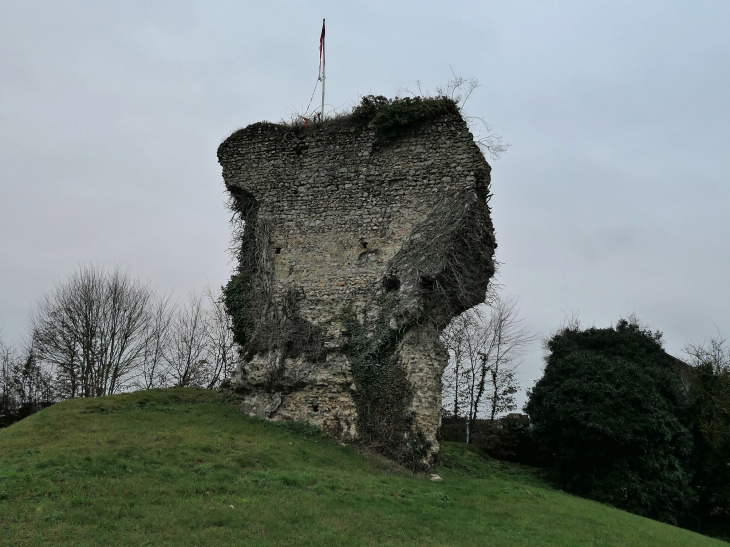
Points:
(183, 467)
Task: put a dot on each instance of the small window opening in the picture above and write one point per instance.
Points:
(391, 283)
(429, 284)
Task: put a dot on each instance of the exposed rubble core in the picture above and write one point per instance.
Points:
(354, 255)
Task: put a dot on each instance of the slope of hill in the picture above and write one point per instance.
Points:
(182, 467)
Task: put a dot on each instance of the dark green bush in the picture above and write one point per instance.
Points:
(608, 414)
(392, 117)
(243, 301)
(709, 408)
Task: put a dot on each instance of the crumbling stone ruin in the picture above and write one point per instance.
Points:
(356, 247)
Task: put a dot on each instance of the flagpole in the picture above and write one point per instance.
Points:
(322, 112)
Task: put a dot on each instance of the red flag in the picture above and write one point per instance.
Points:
(321, 41)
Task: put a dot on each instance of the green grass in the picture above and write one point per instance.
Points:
(164, 467)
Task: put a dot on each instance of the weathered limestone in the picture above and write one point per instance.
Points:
(354, 256)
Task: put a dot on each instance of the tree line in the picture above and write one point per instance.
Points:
(101, 332)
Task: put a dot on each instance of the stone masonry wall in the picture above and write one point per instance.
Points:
(354, 257)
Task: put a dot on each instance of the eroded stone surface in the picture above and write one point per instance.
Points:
(353, 246)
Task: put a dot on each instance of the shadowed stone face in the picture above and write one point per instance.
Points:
(353, 257)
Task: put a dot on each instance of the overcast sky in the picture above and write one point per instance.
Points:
(613, 198)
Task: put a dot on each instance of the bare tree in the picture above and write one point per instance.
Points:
(7, 362)
(187, 355)
(508, 343)
(222, 350)
(485, 345)
(93, 329)
(459, 90)
(712, 353)
(189, 345)
(98, 333)
(25, 386)
(153, 372)
(464, 338)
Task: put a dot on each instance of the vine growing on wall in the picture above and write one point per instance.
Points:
(382, 391)
(243, 301)
(392, 117)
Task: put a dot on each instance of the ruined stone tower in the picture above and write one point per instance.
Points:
(355, 251)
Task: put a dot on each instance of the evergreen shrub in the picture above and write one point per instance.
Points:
(392, 117)
(609, 415)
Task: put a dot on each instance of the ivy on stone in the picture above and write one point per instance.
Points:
(392, 117)
(382, 391)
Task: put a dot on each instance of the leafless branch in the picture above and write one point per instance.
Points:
(485, 345)
(93, 328)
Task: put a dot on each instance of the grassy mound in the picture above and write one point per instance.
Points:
(183, 467)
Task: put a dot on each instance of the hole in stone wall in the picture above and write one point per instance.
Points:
(429, 284)
(391, 283)
(299, 148)
(278, 250)
(364, 244)
(368, 255)
(315, 407)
